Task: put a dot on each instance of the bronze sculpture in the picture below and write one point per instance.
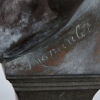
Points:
(24, 22)
(50, 37)
(45, 37)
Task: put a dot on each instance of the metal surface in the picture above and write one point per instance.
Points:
(55, 83)
(67, 44)
(43, 41)
(70, 87)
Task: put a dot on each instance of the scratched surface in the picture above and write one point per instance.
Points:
(72, 46)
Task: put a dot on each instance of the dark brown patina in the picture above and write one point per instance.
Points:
(51, 36)
(32, 22)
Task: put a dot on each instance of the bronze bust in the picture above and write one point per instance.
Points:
(26, 23)
(51, 45)
(46, 36)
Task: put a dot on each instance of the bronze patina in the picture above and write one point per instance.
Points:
(51, 48)
(50, 37)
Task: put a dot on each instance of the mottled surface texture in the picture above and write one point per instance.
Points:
(43, 41)
(49, 42)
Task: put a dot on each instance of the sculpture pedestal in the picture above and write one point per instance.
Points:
(82, 87)
(58, 95)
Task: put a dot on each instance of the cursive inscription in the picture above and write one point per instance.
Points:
(81, 31)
